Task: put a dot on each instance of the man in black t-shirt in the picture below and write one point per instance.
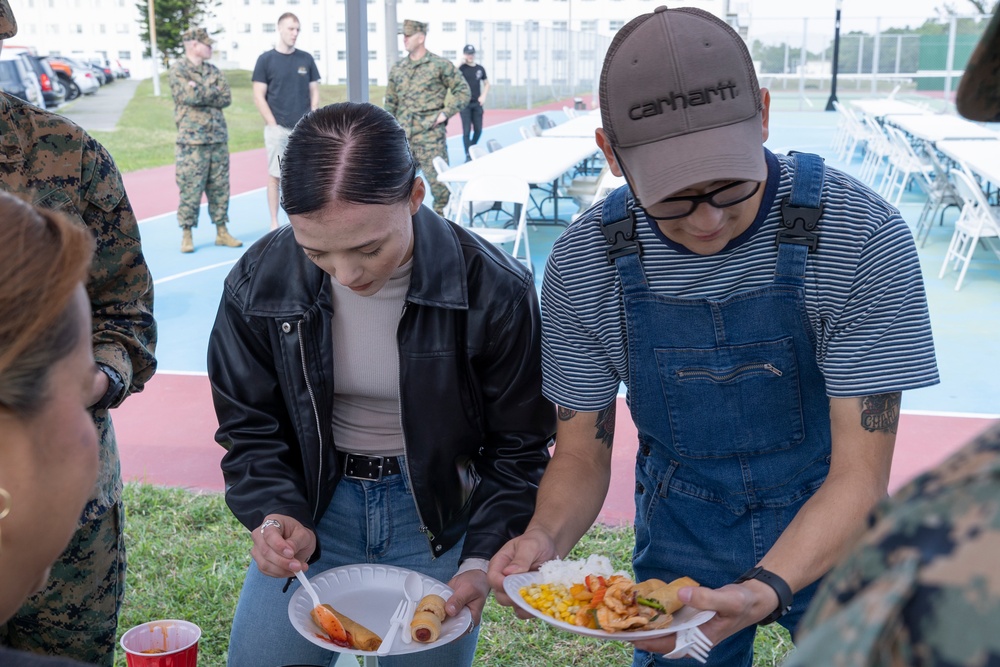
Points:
(285, 88)
(472, 114)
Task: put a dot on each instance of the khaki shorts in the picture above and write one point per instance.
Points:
(275, 140)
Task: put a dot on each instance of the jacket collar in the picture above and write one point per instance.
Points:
(439, 277)
(277, 287)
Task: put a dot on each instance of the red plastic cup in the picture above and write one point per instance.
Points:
(168, 643)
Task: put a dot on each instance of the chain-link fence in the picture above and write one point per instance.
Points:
(923, 57)
(532, 65)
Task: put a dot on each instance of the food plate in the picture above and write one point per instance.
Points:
(369, 594)
(684, 618)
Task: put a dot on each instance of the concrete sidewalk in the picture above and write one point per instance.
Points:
(100, 112)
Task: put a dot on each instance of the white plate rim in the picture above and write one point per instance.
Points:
(689, 616)
(451, 628)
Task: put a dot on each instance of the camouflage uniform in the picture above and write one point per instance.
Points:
(53, 163)
(922, 587)
(202, 140)
(418, 91)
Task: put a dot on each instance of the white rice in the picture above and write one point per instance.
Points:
(569, 572)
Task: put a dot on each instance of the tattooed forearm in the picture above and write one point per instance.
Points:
(565, 414)
(880, 412)
(606, 425)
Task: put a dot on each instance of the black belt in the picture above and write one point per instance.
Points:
(359, 466)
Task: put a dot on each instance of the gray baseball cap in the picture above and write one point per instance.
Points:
(8, 26)
(978, 95)
(681, 104)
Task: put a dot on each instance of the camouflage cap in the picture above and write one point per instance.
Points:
(197, 35)
(978, 96)
(8, 26)
(411, 27)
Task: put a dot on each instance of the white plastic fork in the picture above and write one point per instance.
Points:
(395, 624)
(692, 643)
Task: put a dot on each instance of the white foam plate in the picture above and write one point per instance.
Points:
(684, 618)
(369, 594)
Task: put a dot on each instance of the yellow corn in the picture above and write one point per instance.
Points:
(552, 600)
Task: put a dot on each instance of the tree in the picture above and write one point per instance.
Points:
(980, 7)
(172, 17)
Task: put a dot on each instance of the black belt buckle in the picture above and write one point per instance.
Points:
(359, 466)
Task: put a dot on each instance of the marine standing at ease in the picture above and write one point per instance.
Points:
(424, 91)
(200, 94)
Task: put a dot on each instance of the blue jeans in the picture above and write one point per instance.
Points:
(367, 522)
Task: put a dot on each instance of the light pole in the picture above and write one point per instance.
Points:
(836, 57)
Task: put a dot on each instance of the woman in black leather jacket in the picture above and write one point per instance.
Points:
(376, 372)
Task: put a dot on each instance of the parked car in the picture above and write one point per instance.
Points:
(52, 90)
(18, 79)
(78, 79)
(101, 65)
(120, 71)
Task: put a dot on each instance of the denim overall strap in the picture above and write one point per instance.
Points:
(800, 213)
(731, 412)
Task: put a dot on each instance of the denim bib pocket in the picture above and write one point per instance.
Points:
(732, 400)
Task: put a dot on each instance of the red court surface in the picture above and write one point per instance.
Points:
(166, 438)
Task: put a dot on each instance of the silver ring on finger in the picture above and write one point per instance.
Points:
(268, 524)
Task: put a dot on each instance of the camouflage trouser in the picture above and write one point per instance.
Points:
(426, 146)
(76, 615)
(203, 168)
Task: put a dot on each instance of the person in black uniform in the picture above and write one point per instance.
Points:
(472, 114)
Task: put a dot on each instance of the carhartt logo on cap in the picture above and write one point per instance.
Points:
(675, 101)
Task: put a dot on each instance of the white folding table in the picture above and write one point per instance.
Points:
(941, 127)
(981, 156)
(536, 160)
(883, 107)
(581, 126)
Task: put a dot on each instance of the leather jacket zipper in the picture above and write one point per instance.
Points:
(319, 431)
(399, 383)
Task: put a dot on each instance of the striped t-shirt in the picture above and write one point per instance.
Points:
(864, 294)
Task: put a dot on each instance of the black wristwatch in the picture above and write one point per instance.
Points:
(116, 387)
(783, 590)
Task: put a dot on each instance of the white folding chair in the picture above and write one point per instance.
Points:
(476, 151)
(503, 189)
(978, 220)
(569, 111)
(494, 145)
(940, 196)
(905, 166)
(451, 209)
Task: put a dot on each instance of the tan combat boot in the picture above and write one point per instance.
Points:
(187, 243)
(223, 237)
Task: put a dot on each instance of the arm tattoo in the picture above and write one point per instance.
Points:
(880, 412)
(565, 414)
(606, 425)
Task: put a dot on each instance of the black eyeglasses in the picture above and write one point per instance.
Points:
(681, 207)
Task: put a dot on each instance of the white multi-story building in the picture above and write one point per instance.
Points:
(541, 41)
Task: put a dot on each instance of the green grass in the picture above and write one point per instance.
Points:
(187, 556)
(146, 134)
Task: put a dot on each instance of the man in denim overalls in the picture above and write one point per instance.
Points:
(764, 313)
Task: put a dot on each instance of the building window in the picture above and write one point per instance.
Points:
(503, 82)
(559, 54)
(245, 28)
(531, 54)
(317, 55)
(372, 82)
(102, 28)
(615, 25)
(449, 55)
(588, 26)
(531, 25)
(373, 55)
(121, 28)
(371, 26)
(560, 25)
(342, 81)
(269, 27)
(79, 29)
(448, 26)
(586, 54)
(341, 55)
(54, 28)
(341, 27)
(503, 54)
(475, 26)
(125, 55)
(503, 26)
(316, 27)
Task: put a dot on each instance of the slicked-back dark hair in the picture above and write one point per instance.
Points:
(350, 152)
